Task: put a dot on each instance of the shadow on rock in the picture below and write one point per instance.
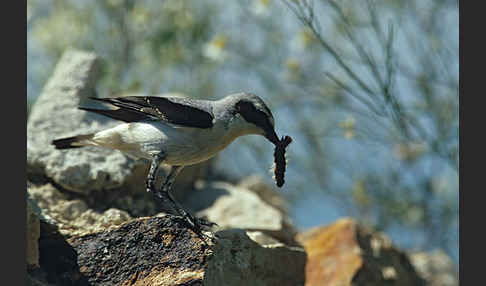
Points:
(57, 260)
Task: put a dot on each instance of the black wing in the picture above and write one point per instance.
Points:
(180, 111)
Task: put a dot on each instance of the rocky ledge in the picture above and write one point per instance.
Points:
(162, 251)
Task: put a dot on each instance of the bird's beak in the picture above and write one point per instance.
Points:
(272, 136)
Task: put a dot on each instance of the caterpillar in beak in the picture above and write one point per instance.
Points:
(280, 161)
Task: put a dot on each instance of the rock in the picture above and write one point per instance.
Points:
(73, 216)
(436, 268)
(266, 193)
(235, 207)
(32, 237)
(146, 251)
(261, 238)
(346, 253)
(58, 260)
(162, 251)
(55, 114)
(238, 260)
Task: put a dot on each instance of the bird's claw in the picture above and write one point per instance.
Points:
(198, 225)
(198, 222)
(205, 223)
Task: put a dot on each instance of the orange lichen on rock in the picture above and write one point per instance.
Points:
(333, 253)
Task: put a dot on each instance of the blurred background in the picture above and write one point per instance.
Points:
(368, 90)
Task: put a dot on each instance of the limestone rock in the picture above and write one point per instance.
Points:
(231, 206)
(238, 260)
(266, 193)
(55, 114)
(73, 216)
(436, 268)
(346, 253)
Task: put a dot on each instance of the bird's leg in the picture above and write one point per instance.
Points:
(154, 166)
(164, 193)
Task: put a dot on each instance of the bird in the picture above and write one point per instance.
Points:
(178, 132)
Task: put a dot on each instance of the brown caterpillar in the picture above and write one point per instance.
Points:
(280, 161)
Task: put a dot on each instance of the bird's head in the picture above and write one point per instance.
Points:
(252, 116)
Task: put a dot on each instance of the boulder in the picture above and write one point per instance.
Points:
(268, 194)
(163, 251)
(231, 206)
(239, 260)
(55, 114)
(346, 253)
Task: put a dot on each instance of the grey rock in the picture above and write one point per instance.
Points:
(231, 206)
(268, 194)
(436, 267)
(73, 216)
(55, 114)
(239, 260)
(261, 238)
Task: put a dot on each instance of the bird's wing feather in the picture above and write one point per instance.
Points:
(178, 111)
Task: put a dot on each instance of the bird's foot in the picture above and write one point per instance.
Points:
(149, 185)
(198, 225)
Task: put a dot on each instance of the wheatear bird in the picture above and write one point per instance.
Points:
(177, 131)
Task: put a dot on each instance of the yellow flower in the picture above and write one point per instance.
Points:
(359, 194)
(409, 150)
(348, 126)
(293, 67)
(260, 7)
(305, 38)
(141, 16)
(215, 49)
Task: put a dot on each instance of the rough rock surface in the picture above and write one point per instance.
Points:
(235, 207)
(346, 253)
(73, 216)
(32, 237)
(162, 251)
(436, 268)
(266, 193)
(55, 114)
(239, 260)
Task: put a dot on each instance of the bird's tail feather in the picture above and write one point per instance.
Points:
(73, 142)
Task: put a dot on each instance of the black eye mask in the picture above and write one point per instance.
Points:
(255, 116)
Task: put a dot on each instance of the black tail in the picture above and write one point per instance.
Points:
(70, 142)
